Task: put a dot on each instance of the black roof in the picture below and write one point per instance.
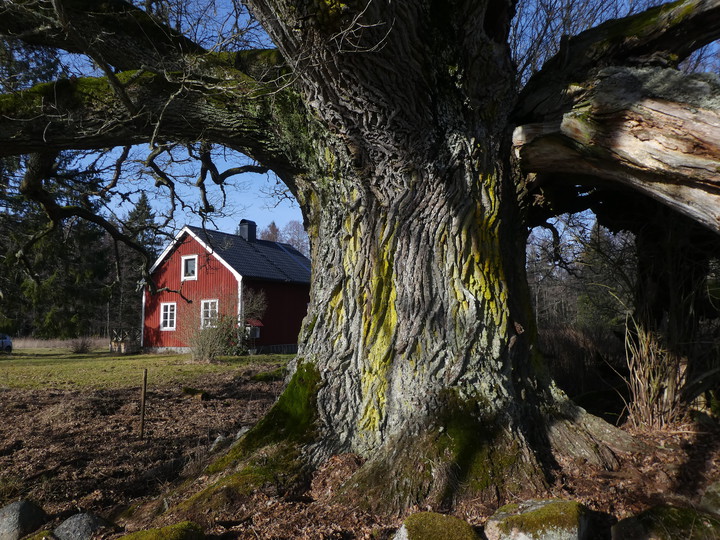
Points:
(259, 259)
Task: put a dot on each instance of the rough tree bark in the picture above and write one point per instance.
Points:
(391, 122)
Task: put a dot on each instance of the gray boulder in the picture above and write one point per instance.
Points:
(20, 519)
(540, 520)
(81, 527)
(668, 523)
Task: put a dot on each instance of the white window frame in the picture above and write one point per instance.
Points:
(169, 309)
(183, 276)
(209, 320)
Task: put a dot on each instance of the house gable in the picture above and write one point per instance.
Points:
(201, 266)
(213, 280)
(192, 232)
(256, 259)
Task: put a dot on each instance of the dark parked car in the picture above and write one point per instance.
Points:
(5, 343)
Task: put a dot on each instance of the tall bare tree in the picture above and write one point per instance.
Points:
(392, 123)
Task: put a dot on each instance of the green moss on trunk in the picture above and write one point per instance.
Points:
(463, 455)
(269, 457)
(290, 421)
(277, 469)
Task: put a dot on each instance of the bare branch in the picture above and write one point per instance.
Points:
(118, 170)
(660, 36)
(124, 36)
(42, 166)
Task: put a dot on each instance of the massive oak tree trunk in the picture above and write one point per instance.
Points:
(420, 324)
(419, 308)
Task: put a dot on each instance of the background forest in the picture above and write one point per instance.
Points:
(74, 280)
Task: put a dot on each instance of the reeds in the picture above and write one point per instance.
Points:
(655, 379)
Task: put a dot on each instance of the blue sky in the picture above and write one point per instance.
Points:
(253, 203)
(247, 198)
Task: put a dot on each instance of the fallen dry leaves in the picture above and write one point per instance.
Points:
(71, 450)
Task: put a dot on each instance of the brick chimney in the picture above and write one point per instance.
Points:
(248, 230)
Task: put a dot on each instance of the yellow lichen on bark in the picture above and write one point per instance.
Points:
(477, 275)
(379, 324)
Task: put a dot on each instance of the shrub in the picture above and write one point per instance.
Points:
(81, 345)
(656, 377)
(220, 339)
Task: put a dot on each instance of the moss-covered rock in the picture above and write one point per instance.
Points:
(180, 531)
(668, 523)
(433, 526)
(539, 520)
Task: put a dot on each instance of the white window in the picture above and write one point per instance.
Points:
(252, 332)
(167, 316)
(208, 313)
(189, 267)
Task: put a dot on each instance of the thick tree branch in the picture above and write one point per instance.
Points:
(86, 114)
(124, 36)
(661, 36)
(656, 131)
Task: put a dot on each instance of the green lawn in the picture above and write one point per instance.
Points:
(58, 368)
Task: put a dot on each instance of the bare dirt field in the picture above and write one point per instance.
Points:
(71, 450)
(80, 449)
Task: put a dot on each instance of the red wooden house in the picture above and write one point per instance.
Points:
(206, 273)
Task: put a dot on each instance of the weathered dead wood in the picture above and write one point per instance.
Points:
(654, 130)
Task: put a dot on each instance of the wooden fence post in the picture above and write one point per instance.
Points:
(142, 404)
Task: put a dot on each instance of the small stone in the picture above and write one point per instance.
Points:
(243, 431)
(20, 519)
(219, 442)
(81, 527)
(540, 520)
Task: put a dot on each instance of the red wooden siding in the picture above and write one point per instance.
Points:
(286, 307)
(214, 281)
(286, 302)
